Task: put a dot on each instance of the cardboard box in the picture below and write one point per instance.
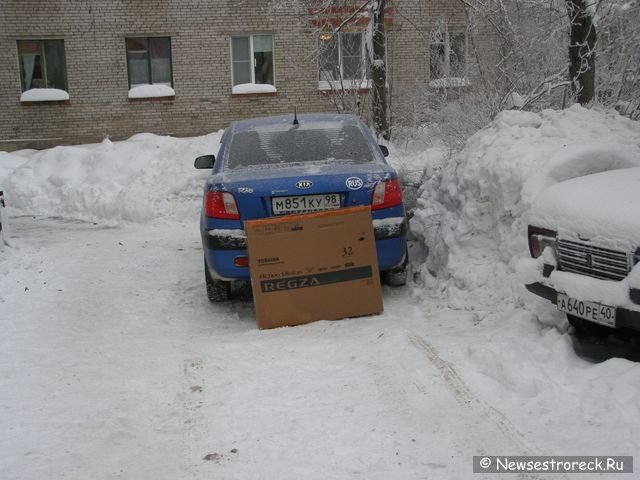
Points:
(318, 266)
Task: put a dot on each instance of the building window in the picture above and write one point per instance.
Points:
(42, 64)
(252, 59)
(447, 54)
(149, 61)
(342, 57)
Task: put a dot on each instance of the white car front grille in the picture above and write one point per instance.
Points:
(593, 261)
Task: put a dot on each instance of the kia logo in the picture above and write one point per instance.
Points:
(354, 183)
(304, 184)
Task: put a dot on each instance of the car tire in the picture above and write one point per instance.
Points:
(397, 277)
(587, 329)
(217, 290)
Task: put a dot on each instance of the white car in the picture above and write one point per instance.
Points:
(585, 236)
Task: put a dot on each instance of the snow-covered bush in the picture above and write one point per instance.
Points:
(530, 64)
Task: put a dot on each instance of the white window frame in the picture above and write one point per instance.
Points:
(348, 83)
(251, 56)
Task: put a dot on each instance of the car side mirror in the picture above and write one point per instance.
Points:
(384, 150)
(205, 162)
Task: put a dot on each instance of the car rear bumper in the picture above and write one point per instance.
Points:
(222, 239)
(624, 318)
(223, 248)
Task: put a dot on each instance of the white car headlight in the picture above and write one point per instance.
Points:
(541, 238)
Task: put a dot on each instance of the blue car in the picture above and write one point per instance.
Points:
(296, 164)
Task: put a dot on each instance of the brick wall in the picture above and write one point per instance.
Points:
(94, 33)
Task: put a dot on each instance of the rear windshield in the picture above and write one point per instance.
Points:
(280, 145)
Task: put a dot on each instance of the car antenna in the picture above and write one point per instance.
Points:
(295, 117)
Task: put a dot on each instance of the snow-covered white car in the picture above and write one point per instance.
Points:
(585, 236)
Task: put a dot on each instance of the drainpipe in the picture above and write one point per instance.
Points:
(4, 234)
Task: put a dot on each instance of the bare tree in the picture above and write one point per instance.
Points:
(618, 48)
(582, 46)
(342, 27)
(379, 69)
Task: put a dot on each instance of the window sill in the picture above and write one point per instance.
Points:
(253, 89)
(151, 91)
(449, 82)
(330, 91)
(364, 86)
(39, 95)
(152, 99)
(254, 94)
(30, 103)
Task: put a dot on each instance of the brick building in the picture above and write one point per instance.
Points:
(76, 71)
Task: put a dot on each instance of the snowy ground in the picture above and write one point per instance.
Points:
(114, 365)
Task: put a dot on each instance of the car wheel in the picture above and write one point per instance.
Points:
(587, 329)
(397, 277)
(217, 290)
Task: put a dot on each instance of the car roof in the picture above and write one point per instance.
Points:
(306, 118)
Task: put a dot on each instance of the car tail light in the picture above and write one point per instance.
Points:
(221, 205)
(386, 194)
(539, 239)
(241, 262)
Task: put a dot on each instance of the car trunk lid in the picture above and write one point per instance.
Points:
(270, 191)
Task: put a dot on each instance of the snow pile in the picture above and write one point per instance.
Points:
(10, 162)
(474, 214)
(145, 177)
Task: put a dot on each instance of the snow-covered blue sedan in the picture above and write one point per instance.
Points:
(296, 164)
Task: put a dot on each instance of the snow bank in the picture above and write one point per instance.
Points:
(474, 214)
(143, 178)
(9, 162)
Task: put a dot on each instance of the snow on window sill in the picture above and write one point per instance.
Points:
(44, 95)
(151, 91)
(253, 89)
(449, 82)
(332, 85)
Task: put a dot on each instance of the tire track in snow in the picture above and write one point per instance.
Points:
(466, 398)
(192, 416)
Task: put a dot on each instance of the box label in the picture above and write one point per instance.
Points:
(306, 281)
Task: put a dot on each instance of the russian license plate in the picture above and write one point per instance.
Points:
(594, 312)
(305, 203)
